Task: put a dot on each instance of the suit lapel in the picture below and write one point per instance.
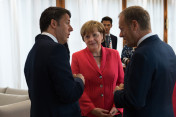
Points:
(112, 39)
(113, 42)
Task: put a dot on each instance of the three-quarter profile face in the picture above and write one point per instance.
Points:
(127, 32)
(93, 40)
(107, 25)
(63, 29)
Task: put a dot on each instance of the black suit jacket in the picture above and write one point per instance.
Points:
(149, 81)
(52, 89)
(114, 42)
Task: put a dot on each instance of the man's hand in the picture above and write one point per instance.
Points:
(120, 87)
(79, 76)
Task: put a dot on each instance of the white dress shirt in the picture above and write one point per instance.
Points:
(144, 37)
(51, 36)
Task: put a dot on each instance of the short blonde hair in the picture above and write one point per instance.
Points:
(89, 27)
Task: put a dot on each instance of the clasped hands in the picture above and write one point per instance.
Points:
(99, 112)
(118, 88)
(79, 76)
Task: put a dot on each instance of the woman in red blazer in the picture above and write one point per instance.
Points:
(102, 70)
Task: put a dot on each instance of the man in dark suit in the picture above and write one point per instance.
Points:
(110, 40)
(52, 89)
(151, 73)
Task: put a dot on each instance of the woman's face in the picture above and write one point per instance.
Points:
(93, 40)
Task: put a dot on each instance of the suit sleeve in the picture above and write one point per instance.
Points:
(66, 87)
(120, 71)
(174, 99)
(85, 102)
(137, 83)
(120, 76)
(114, 39)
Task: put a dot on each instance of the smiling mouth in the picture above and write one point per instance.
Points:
(92, 43)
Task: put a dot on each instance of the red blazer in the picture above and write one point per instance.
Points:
(99, 82)
(174, 100)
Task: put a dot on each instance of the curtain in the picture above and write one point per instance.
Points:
(155, 9)
(172, 23)
(84, 10)
(19, 24)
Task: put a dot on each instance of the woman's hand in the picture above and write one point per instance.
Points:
(99, 112)
(113, 111)
(120, 87)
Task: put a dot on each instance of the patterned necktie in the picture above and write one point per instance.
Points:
(108, 42)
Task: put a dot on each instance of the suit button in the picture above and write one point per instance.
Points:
(102, 95)
(100, 77)
(101, 85)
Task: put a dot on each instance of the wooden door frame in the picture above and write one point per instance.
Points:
(61, 3)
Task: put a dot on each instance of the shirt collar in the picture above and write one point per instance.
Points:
(144, 37)
(51, 36)
(107, 34)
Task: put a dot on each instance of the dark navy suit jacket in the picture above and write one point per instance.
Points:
(52, 89)
(114, 42)
(149, 81)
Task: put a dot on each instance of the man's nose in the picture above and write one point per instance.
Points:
(120, 35)
(106, 26)
(71, 29)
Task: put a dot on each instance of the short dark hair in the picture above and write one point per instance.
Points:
(50, 13)
(139, 14)
(106, 19)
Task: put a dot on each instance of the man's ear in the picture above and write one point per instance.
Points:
(111, 25)
(53, 23)
(134, 25)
